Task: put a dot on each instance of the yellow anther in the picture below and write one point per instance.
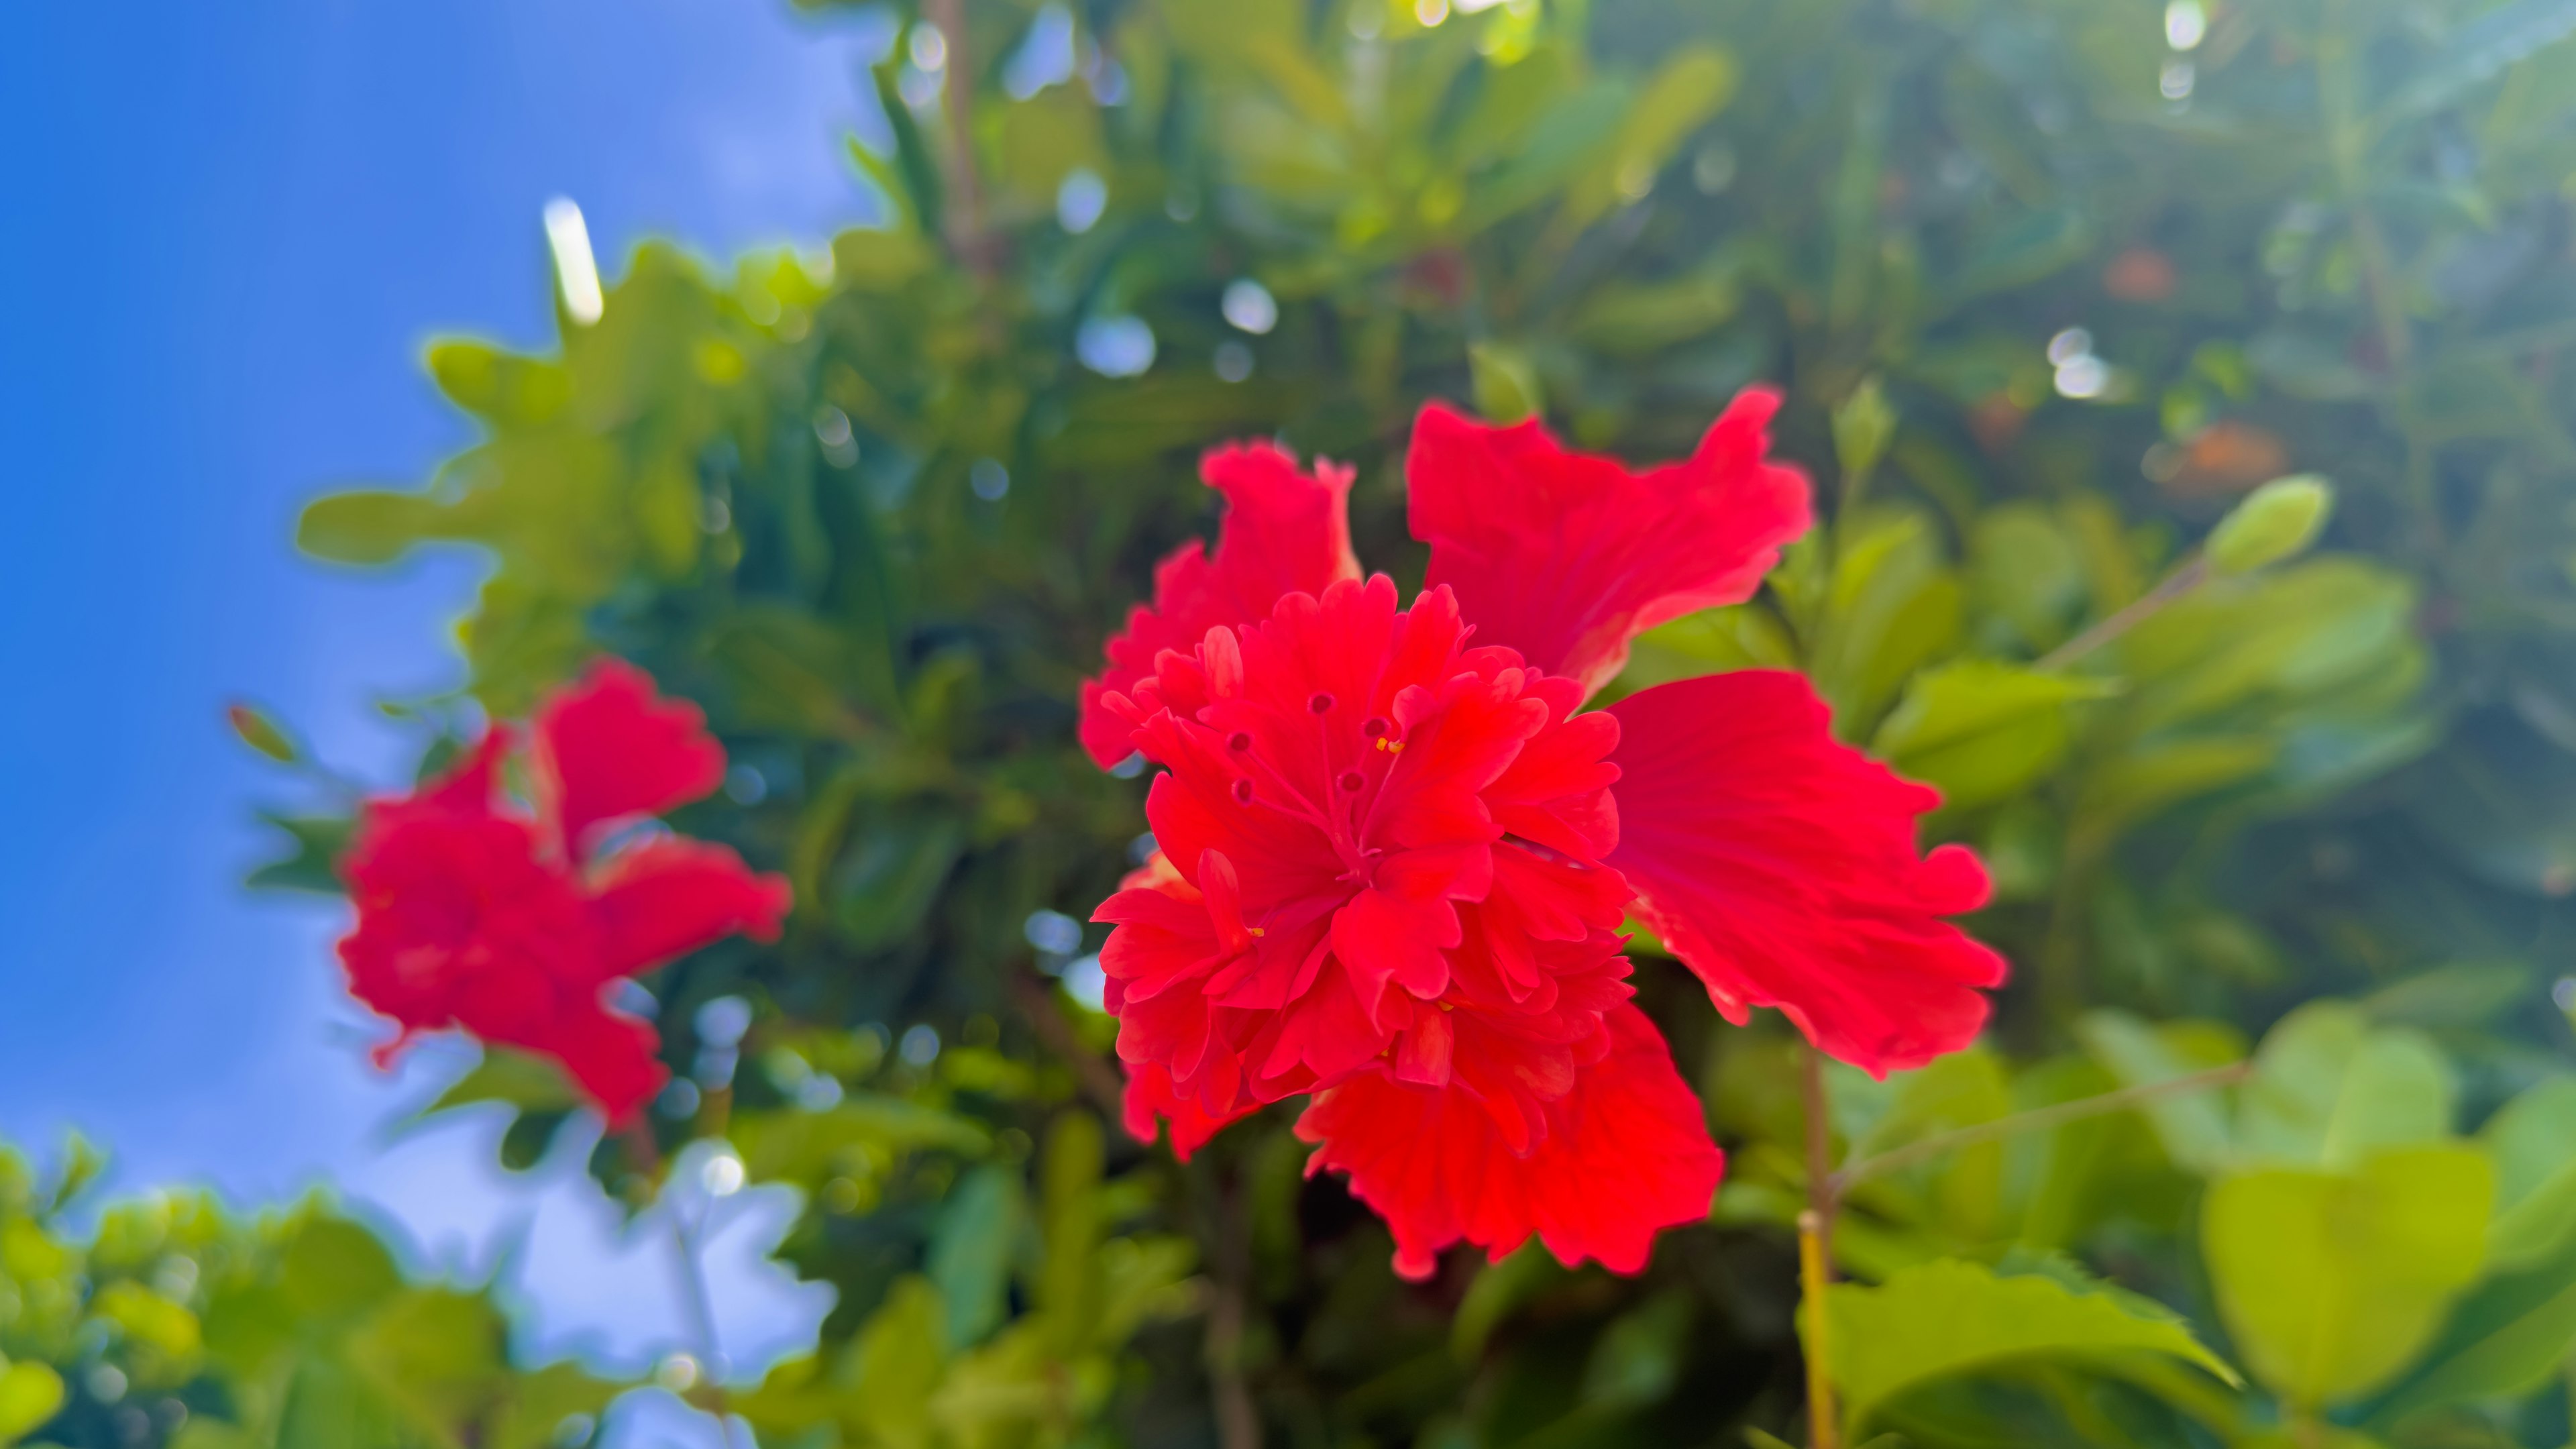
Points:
(1259, 932)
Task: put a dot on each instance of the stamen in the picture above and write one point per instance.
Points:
(1239, 741)
(1243, 792)
(1352, 780)
(1321, 703)
(1257, 931)
(1375, 728)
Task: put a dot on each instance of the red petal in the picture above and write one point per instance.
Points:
(615, 1059)
(670, 895)
(452, 907)
(1567, 556)
(1781, 866)
(1284, 532)
(1150, 1101)
(610, 747)
(1626, 1153)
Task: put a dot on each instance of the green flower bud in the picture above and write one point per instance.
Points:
(261, 733)
(2276, 521)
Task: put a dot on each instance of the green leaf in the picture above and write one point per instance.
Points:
(1692, 85)
(2027, 572)
(970, 1253)
(1981, 730)
(1950, 1317)
(2196, 1128)
(896, 1363)
(1506, 385)
(2477, 51)
(2275, 522)
(260, 730)
(365, 527)
(1637, 1358)
(2330, 1087)
(314, 863)
(2532, 1140)
(497, 386)
(1499, 1288)
(2504, 1340)
(525, 1080)
(30, 1394)
(2331, 1282)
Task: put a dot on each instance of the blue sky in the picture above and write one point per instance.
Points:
(226, 233)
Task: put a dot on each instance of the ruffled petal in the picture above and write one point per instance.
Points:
(1284, 532)
(456, 909)
(609, 747)
(665, 897)
(1150, 1101)
(1781, 866)
(1625, 1154)
(1567, 556)
(614, 1058)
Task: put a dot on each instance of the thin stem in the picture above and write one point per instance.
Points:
(2036, 1120)
(965, 211)
(2187, 576)
(1238, 1419)
(1098, 1078)
(1815, 1275)
(2567, 1372)
(702, 1315)
(1815, 1245)
(644, 1154)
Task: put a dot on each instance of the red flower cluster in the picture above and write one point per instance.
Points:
(1396, 851)
(511, 924)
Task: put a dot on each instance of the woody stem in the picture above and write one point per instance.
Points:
(702, 1316)
(1815, 1242)
(644, 1154)
(2038, 1119)
(2189, 575)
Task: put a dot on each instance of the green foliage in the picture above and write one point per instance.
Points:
(167, 1320)
(1945, 1318)
(2046, 297)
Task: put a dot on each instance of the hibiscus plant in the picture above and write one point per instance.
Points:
(1178, 730)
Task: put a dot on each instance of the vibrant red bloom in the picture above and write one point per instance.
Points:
(1340, 780)
(511, 924)
(1566, 556)
(1284, 532)
(1781, 866)
(1625, 1152)
(1398, 856)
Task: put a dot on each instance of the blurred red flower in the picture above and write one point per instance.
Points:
(1395, 858)
(510, 924)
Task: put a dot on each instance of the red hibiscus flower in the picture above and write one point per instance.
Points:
(1396, 851)
(511, 924)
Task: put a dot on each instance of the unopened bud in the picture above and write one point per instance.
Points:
(260, 732)
(2276, 521)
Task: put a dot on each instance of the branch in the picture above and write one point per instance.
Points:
(2036, 1120)
(965, 213)
(2185, 578)
(1100, 1080)
(1815, 1249)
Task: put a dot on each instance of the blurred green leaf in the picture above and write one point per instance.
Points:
(1948, 1318)
(2332, 1281)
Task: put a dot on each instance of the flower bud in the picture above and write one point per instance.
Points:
(2276, 521)
(260, 732)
